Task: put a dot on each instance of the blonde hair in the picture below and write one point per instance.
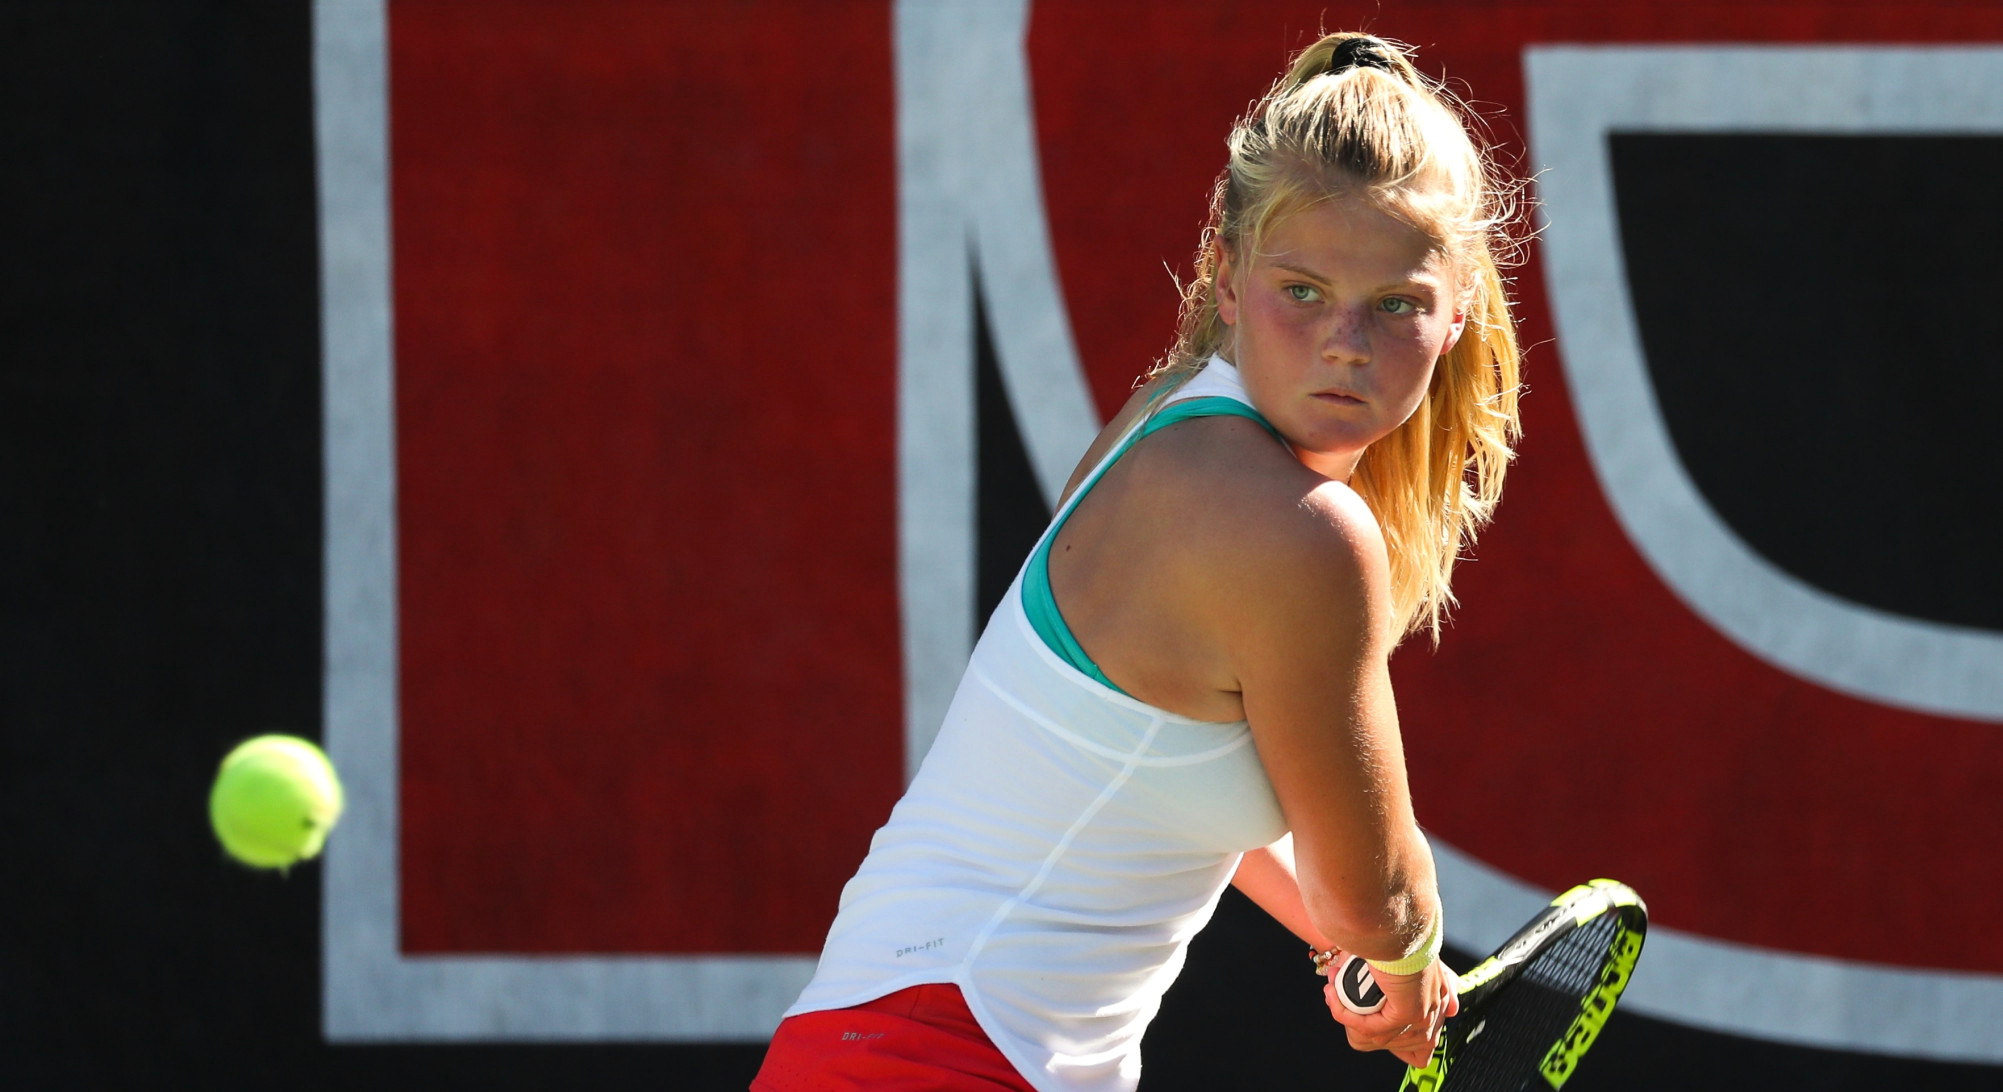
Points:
(1353, 117)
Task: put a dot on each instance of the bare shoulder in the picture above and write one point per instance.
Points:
(1209, 563)
(1271, 518)
(1286, 554)
(1135, 408)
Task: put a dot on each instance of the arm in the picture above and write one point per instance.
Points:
(1266, 876)
(1307, 625)
(1309, 631)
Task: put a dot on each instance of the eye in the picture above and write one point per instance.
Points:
(1301, 293)
(1396, 306)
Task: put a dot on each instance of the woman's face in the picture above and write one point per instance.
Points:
(1336, 325)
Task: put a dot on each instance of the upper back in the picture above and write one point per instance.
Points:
(1183, 537)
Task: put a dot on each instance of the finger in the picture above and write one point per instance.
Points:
(1410, 1037)
(1402, 1038)
(1374, 1027)
(1413, 1049)
(1366, 1042)
(1341, 1012)
(1418, 1038)
(1384, 1038)
(1376, 1023)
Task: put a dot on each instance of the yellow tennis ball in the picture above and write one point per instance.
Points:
(275, 799)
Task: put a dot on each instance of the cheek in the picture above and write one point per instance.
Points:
(1422, 335)
(1428, 341)
(1278, 320)
(1410, 370)
(1420, 381)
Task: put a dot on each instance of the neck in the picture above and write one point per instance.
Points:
(1336, 467)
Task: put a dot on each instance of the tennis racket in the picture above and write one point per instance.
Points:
(1531, 1010)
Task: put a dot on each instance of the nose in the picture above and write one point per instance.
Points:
(1348, 337)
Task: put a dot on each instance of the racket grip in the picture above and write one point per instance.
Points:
(1356, 987)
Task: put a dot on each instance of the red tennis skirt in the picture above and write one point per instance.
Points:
(916, 1040)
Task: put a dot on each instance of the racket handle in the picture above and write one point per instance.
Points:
(1356, 987)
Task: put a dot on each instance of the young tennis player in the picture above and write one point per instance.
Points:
(1187, 685)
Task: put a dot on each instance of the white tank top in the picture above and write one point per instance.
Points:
(1060, 846)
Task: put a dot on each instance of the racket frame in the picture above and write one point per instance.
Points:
(1487, 980)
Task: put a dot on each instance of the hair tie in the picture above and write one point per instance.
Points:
(1361, 51)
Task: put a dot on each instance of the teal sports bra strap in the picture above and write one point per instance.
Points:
(1037, 601)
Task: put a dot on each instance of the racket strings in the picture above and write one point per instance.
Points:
(1504, 1042)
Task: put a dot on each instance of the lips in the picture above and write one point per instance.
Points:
(1340, 398)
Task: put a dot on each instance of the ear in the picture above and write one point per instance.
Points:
(1454, 331)
(1224, 284)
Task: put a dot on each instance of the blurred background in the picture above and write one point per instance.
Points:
(605, 425)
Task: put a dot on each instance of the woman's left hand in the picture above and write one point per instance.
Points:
(1415, 1007)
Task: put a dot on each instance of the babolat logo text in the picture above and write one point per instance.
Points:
(1593, 1009)
(935, 942)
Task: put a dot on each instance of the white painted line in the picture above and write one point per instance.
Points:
(1578, 95)
(372, 991)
